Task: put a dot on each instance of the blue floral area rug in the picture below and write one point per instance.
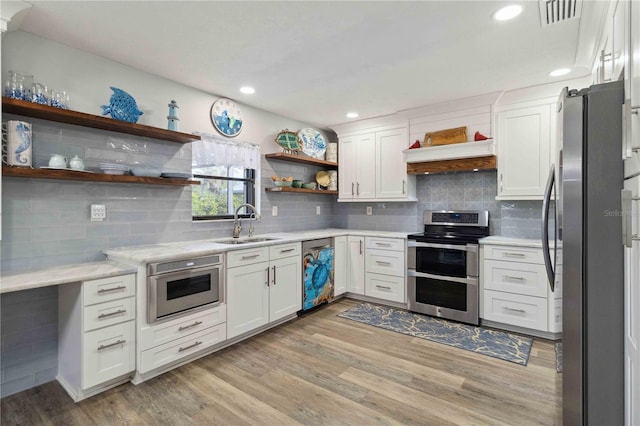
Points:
(493, 343)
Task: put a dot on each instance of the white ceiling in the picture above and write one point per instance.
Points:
(316, 60)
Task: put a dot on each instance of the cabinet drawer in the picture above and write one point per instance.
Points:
(108, 353)
(394, 244)
(162, 333)
(385, 262)
(174, 351)
(523, 311)
(515, 277)
(514, 254)
(285, 250)
(385, 287)
(247, 257)
(111, 288)
(109, 313)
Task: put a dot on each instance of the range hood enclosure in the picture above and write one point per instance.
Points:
(467, 156)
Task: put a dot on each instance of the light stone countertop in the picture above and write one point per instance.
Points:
(507, 241)
(183, 250)
(158, 253)
(63, 275)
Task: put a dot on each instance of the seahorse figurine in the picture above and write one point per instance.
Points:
(25, 135)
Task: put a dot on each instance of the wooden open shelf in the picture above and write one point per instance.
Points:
(301, 159)
(300, 190)
(25, 172)
(45, 112)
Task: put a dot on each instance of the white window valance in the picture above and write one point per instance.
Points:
(213, 150)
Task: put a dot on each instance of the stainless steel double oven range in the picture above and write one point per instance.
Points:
(443, 264)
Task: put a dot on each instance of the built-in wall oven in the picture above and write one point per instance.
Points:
(178, 287)
(443, 265)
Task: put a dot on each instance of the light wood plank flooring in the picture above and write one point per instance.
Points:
(319, 370)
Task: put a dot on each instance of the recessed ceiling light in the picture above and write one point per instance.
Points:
(475, 170)
(507, 12)
(247, 90)
(559, 72)
(352, 115)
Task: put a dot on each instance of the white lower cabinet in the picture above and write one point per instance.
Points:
(516, 291)
(265, 291)
(385, 268)
(355, 268)
(96, 335)
(340, 266)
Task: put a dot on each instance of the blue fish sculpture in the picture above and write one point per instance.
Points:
(25, 136)
(122, 106)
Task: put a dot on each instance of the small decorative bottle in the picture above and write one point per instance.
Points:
(173, 116)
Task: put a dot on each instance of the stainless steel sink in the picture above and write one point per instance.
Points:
(246, 240)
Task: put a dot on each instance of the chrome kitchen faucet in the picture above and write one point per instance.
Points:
(237, 226)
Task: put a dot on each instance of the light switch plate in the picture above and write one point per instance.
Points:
(98, 212)
(369, 210)
(274, 210)
(317, 209)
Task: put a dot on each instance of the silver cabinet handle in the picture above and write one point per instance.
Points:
(627, 201)
(110, 345)
(287, 250)
(522, 311)
(253, 256)
(274, 275)
(110, 314)
(360, 246)
(513, 254)
(404, 185)
(107, 290)
(380, 262)
(383, 244)
(189, 347)
(357, 188)
(383, 286)
(186, 327)
(268, 275)
(509, 277)
(352, 186)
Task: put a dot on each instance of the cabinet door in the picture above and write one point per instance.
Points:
(366, 171)
(524, 138)
(619, 43)
(348, 154)
(632, 313)
(340, 266)
(285, 291)
(355, 272)
(247, 298)
(634, 50)
(391, 169)
(108, 353)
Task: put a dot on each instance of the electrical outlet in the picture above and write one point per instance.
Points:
(274, 210)
(317, 209)
(98, 212)
(369, 210)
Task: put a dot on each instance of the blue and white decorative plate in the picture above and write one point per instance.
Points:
(226, 117)
(313, 143)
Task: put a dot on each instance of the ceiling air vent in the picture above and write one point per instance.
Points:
(556, 11)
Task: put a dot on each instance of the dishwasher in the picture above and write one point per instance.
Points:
(317, 272)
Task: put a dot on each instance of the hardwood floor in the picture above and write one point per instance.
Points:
(319, 370)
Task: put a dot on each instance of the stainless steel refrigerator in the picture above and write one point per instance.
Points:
(588, 265)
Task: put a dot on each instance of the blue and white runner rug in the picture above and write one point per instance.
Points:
(493, 343)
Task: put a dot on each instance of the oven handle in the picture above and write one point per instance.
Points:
(464, 247)
(468, 280)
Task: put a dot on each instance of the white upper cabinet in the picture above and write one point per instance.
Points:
(372, 166)
(524, 149)
(634, 50)
(391, 170)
